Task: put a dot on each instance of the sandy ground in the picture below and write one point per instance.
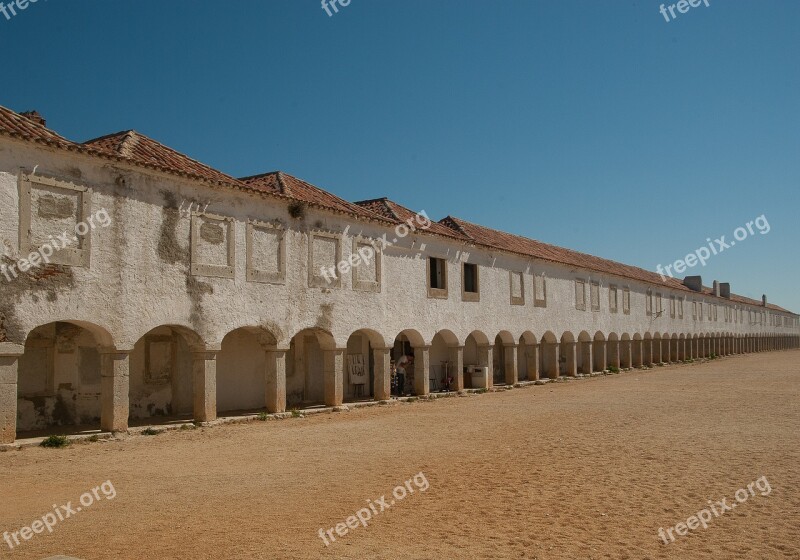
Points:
(585, 469)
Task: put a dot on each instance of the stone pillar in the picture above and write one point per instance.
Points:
(276, 381)
(422, 370)
(533, 363)
(614, 353)
(457, 365)
(511, 373)
(9, 361)
(204, 376)
(333, 373)
(627, 354)
(638, 353)
(600, 355)
(114, 389)
(382, 358)
(587, 358)
(485, 357)
(647, 352)
(571, 351)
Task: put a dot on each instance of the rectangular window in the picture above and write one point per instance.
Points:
(517, 285)
(470, 290)
(626, 301)
(694, 310)
(672, 309)
(612, 299)
(680, 308)
(539, 291)
(700, 310)
(580, 295)
(595, 294)
(437, 278)
(659, 304)
(648, 302)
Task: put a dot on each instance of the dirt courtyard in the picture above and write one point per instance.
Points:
(584, 469)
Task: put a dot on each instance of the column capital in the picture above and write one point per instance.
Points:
(115, 351)
(8, 349)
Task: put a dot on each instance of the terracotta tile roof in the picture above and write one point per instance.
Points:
(398, 214)
(283, 184)
(536, 249)
(17, 126)
(141, 149)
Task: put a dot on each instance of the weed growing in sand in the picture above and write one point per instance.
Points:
(55, 442)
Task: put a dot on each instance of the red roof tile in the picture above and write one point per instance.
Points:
(280, 183)
(144, 150)
(400, 214)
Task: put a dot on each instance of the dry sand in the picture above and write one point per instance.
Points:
(584, 469)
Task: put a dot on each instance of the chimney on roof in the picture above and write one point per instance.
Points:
(35, 117)
(764, 300)
(694, 283)
(725, 290)
(716, 288)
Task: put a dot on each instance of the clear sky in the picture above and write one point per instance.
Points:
(591, 124)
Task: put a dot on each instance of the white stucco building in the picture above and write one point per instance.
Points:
(182, 291)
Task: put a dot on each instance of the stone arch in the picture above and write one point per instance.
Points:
(585, 353)
(243, 369)
(479, 361)
(613, 349)
(568, 360)
(600, 351)
(60, 386)
(314, 369)
(528, 357)
(504, 359)
(162, 375)
(447, 361)
(548, 353)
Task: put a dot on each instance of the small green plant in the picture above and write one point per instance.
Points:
(613, 369)
(150, 432)
(295, 413)
(482, 390)
(713, 357)
(188, 427)
(412, 399)
(55, 442)
(263, 416)
(94, 439)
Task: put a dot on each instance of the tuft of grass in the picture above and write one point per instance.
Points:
(55, 442)
(150, 432)
(263, 416)
(188, 427)
(95, 438)
(295, 413)
(613, 369)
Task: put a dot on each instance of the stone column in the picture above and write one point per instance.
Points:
(333, 373)
(457, 367)
(601, 355)
(204, 375)
(485, 357)
(382, 358)
(511, 373)
(114, 389)
(587, 358)
(9, 362)
(533, 363)
(571, 351)
(614, 357)
(276, 381)
(422, 370)
(627, 354)
(638, 353)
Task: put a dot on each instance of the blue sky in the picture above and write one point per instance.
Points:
(591, 124)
